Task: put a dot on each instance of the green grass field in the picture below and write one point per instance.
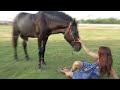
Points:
(58, 53)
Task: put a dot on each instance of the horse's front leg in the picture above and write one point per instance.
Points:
(43, 45)
(39, 52)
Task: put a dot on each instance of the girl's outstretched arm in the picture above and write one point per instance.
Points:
(115, 76)
(94, 55)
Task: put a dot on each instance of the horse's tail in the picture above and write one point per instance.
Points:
(15, 35)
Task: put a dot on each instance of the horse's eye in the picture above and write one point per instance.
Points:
(75, 34)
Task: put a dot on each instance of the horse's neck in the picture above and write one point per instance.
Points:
(58, 31)
(55, 24)
(58, 26)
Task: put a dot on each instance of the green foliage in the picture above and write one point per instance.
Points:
(100, 21)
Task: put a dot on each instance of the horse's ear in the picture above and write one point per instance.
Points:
(74, 20)
(77, 22)
(71, 23)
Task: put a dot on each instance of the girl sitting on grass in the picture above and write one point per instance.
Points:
(101, 66)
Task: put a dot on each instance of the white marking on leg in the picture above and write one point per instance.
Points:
(27, 43)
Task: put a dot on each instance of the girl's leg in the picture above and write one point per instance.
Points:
(76, 65)
(68, 73)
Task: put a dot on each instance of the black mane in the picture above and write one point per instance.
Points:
(60, 15)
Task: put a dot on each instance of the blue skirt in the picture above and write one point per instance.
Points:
(88, 71)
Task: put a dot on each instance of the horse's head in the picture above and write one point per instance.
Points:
(72, 36)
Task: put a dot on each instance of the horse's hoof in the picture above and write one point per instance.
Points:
(16, 59)
(43, 63)
(39, 66)
(27, 58)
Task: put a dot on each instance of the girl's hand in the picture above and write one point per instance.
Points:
(80, 40)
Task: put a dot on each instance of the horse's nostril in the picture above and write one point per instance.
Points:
(76, 48)
(79, 48)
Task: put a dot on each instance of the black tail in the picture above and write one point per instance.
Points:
(15, 35)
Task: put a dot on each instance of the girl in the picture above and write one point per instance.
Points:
(101, 66)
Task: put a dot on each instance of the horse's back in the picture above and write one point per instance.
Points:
(20, 16)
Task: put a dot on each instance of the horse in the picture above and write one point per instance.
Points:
(41, 25)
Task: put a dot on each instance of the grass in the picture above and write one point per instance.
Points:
(58, 53)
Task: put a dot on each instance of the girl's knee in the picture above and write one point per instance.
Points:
(78, 64)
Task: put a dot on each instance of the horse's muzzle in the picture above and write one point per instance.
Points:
(77, 47)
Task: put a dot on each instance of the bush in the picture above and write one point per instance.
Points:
(100, 21)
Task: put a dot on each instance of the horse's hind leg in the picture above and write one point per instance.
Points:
(25, 40)
(25, 49)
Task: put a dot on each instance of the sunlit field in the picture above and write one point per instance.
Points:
(58, 53)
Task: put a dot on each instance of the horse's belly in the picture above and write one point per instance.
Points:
(32, 36)
(29, 34)
(28, 31)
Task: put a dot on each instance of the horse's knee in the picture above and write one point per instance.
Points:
(40, 51)
(25, 43)
(77, 64)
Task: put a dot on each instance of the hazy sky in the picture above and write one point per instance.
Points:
(10, 15)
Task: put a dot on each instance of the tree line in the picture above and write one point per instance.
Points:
(100, 21)
(6, 23)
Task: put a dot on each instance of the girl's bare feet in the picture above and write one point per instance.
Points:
(65, 69)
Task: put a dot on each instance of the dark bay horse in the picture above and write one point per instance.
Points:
(41, 25)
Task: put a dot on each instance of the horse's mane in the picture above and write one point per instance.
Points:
(59, 14)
